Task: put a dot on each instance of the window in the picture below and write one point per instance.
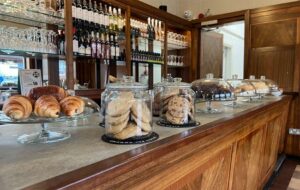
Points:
(9, 68)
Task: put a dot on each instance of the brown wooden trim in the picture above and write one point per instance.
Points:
(195, 56)
(69, 44)
(94, 94)
(274, 7)
(247, 46)
(296, 85)
(273, 48)
(165, 66)
(222, 18)
(128, 41)
(118, 164)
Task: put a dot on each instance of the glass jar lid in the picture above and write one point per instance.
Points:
(127, 83)
(176, 82)
(241, 87)
(270, 83)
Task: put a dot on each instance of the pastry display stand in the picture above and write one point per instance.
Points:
(46, 135)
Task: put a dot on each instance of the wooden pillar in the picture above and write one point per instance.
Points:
(128, 41)
(165, 65)
(247, 42)
(69, 44)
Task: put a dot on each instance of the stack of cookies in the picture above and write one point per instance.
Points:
(127, 117)
(178, 108)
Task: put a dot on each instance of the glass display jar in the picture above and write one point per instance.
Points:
(127, 112)
(157, 90)
(212, 89)
(260, 86)
(273, 86)
(177, 104)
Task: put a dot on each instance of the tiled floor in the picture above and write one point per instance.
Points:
(285, 174)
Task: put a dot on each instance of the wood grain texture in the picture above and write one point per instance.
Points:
(211, 156)
(276, 63)
(281, 33)
(211, 54)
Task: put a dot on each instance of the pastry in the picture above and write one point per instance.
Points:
(17, 107)
(117, 120)
(179, 106)
(176, 120)
(47, 106)
(144, 126)
(114, 129)
(120, 105)
(130, 131)
(72, 105)
(56, 91)
(141, 111)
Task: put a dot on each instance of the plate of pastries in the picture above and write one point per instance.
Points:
(46, 104)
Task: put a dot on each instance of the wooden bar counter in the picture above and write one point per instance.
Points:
(233, 150)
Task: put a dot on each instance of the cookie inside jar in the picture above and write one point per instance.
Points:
(177, 103)
(128, 112)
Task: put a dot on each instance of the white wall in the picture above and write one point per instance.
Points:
(233, 37)
(173, 5)
(178, 7)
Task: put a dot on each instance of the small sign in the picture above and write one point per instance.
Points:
(29, 78)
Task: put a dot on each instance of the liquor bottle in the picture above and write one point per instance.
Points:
(90, 13)
(98, 46)
(74, 16)
(112, 48)
(79, 11)
(85, 12)
(75, 40)
(152, 29)
(93, 45)
(159, 31)
(61, 42)
(107, 49)
(96, 16)
(62, 8)
(103, 47)
(149, 29)
(117, 47)
(156, 29)
(81, 49)
(87, 44)
(120, 20)
(115, 20)
(111, 19)
(101, 17)
(106, 18)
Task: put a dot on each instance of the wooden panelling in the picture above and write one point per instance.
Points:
(211, 54)
(292, 146)
(246, 164)
(275, 63)
(281, 33)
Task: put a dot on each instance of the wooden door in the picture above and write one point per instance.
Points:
(211, 54)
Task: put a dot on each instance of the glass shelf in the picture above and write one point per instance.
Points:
(28, 53)
(176, 47)
(29, 16)
(149, 62)
(178, 66)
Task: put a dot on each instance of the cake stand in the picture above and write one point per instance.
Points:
(45, 135)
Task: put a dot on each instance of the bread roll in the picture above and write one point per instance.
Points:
(17, 107)
(56, 91)
(47, 106)
(72, 105)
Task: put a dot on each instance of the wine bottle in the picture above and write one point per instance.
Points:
(74, 9)
(120, 20)
(107, 49)
(117, 47)
(101, 17)
(115, 19)
(98, 46)
(62, 43)
(103, 47)
(96, 16)
(106, 18)
(79, 11)
(75, 39)
(111, 18)
(85, 12)
(112, 48)
(87, 45)
(90, 13)
(93, 45)
(149, 30)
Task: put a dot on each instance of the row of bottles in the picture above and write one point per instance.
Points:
(93, 15)
(98, 45)
(144, 56)
(151, 30)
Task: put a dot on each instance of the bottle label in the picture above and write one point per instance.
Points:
(117, 51)
(112, 51)
(75, 46)
(106, 20)
(79, 13)
(94, 49)
(85, 14)
(99, 49)
(101, 19)
(91, 16)
(82, 50)
(74, 12)
(88, 50)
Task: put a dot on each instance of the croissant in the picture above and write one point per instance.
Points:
(56, 91)
(17, 107)
(72, 105)
(47, 106)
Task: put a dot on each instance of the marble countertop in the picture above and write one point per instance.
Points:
(24, 165)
